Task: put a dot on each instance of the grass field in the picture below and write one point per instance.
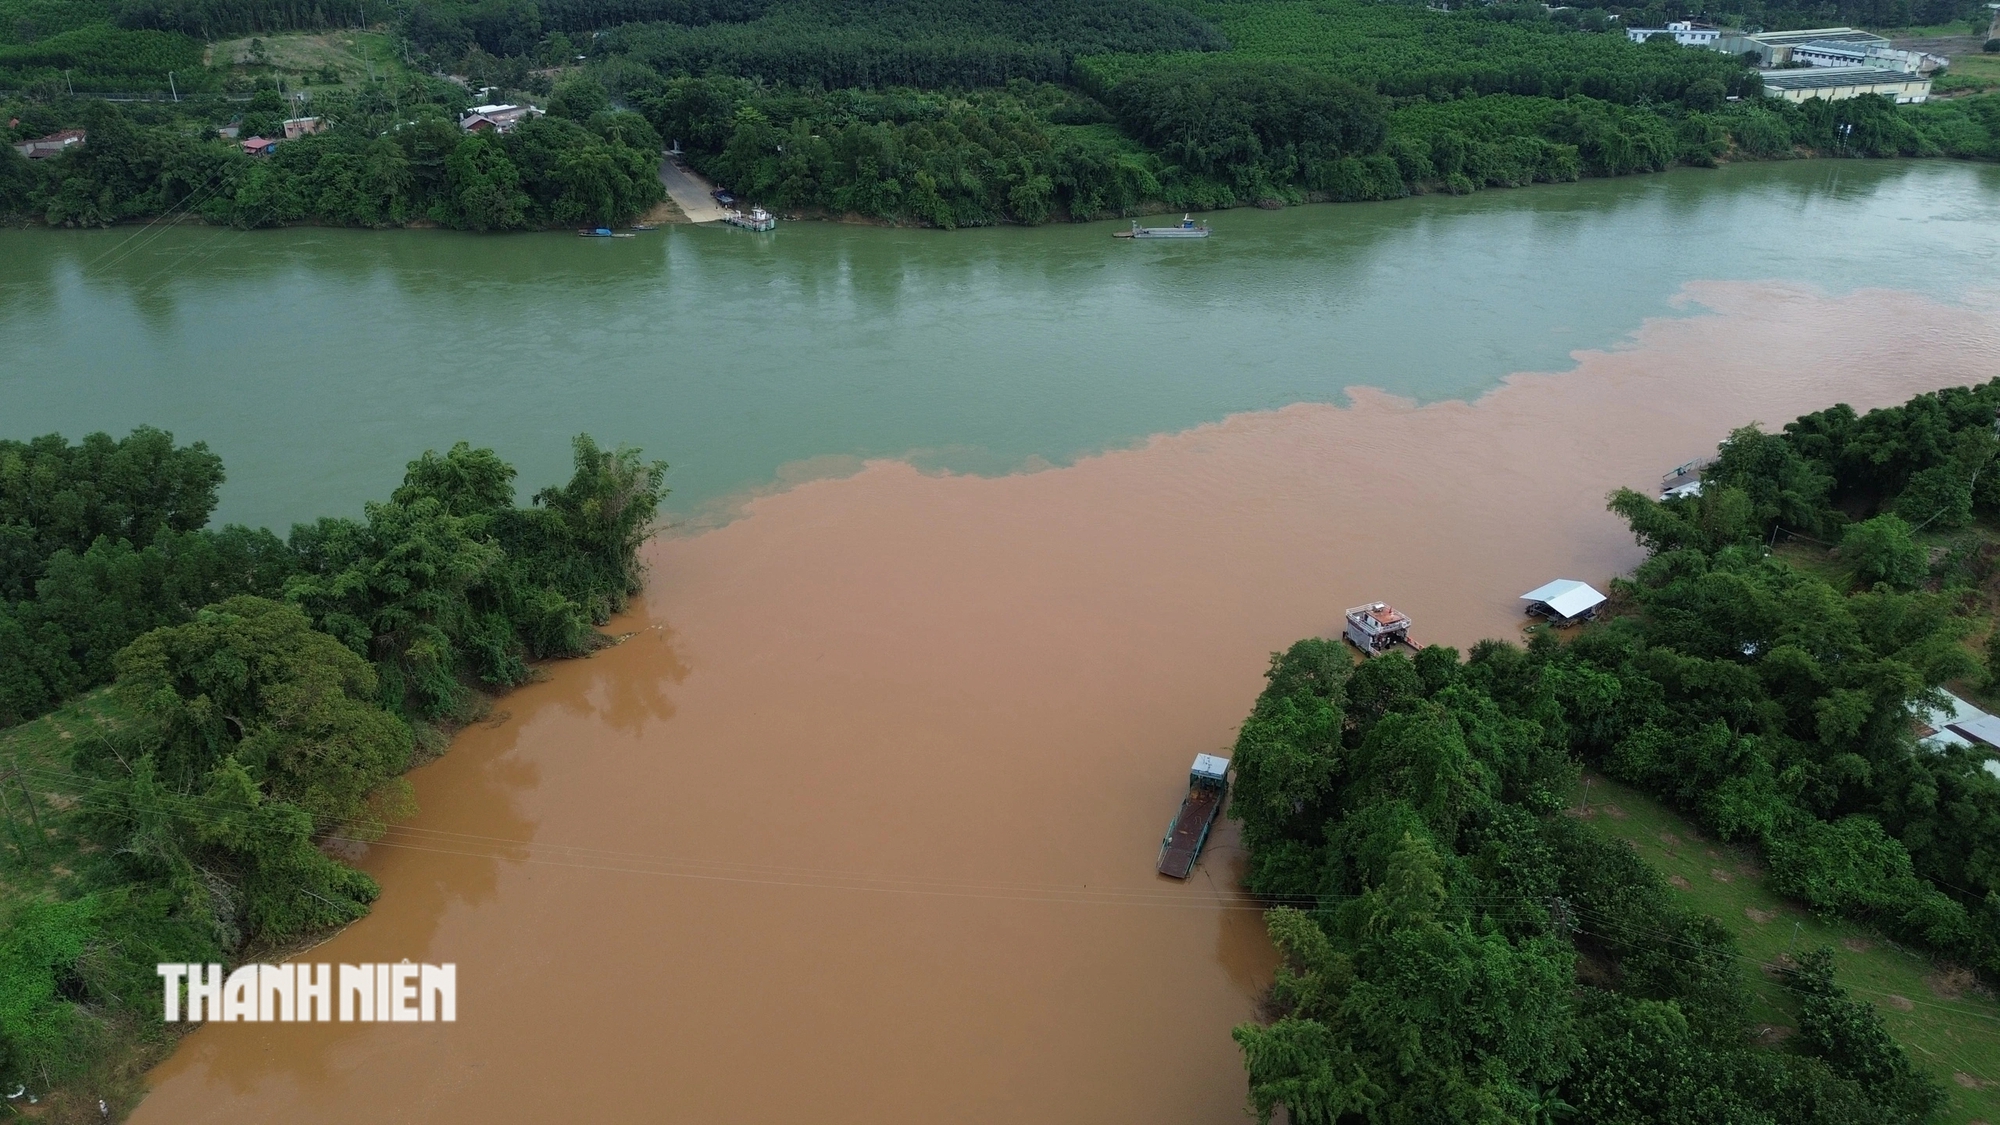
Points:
(1983, 69)
(40, 856)
(304, 58)
(1949, 1025)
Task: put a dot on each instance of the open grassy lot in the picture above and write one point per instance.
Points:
(1980, 69)
(310, 59)
(1948, 1023)
(40, 854)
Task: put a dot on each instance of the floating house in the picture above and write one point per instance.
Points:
(1376, 628)
(1564, 602)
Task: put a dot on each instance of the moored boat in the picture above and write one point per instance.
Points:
(756, 219)
(1187, 229)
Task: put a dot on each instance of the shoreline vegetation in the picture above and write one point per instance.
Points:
(942, 113)
(202, 722)
(1459, 943)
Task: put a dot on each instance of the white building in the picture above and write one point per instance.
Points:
(1838, 83)
(1774, 48)
(1685, 32)
(1866, 54)
(499, 118)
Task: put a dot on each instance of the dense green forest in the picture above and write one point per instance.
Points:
(592, 168)
(943, 112)
(265, 695)
(1311, 99)
(1458, 947)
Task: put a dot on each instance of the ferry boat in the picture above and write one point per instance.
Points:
(1188, 229)
(757, 219)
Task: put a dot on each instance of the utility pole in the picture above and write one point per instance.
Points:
(7, 809)
(170, 86)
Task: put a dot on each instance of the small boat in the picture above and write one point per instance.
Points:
(1188, 229)
(603, 232)
(756, 219)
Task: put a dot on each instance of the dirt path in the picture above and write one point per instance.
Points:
(689, 193)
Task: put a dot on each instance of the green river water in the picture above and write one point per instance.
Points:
(318, 361)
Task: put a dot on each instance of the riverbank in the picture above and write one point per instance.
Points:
(935, 723)
(687, 200)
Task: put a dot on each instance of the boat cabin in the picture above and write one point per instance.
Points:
(1377, 627)
(1209, 772)
(1564, 602)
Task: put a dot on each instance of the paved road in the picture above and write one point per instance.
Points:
(689, 192)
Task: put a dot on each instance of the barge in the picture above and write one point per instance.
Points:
(1208, 783)
(1188, 229)
(756, 219)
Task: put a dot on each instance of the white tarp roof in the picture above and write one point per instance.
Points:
(1208, 765)
(1958, 716)
(1566, 596)
(1981, 728)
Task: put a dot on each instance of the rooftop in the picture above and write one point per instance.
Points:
(1818, 35)
(1821, 77)
(1209, 765)
(1566, 597)
(1380, 613)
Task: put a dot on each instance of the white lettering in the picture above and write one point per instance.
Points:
(239, 995)
(403, 982)
(440, 996)
(274, 984)
(357, 993)
(377, 992)
(172, 975)
(315, 992)
(204, 995)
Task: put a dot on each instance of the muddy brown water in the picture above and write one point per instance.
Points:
(860, 824)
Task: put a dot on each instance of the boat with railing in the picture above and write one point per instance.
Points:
(755, 219)
(1188, 229)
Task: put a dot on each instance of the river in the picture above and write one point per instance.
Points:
(317, 362)
(982, 537)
